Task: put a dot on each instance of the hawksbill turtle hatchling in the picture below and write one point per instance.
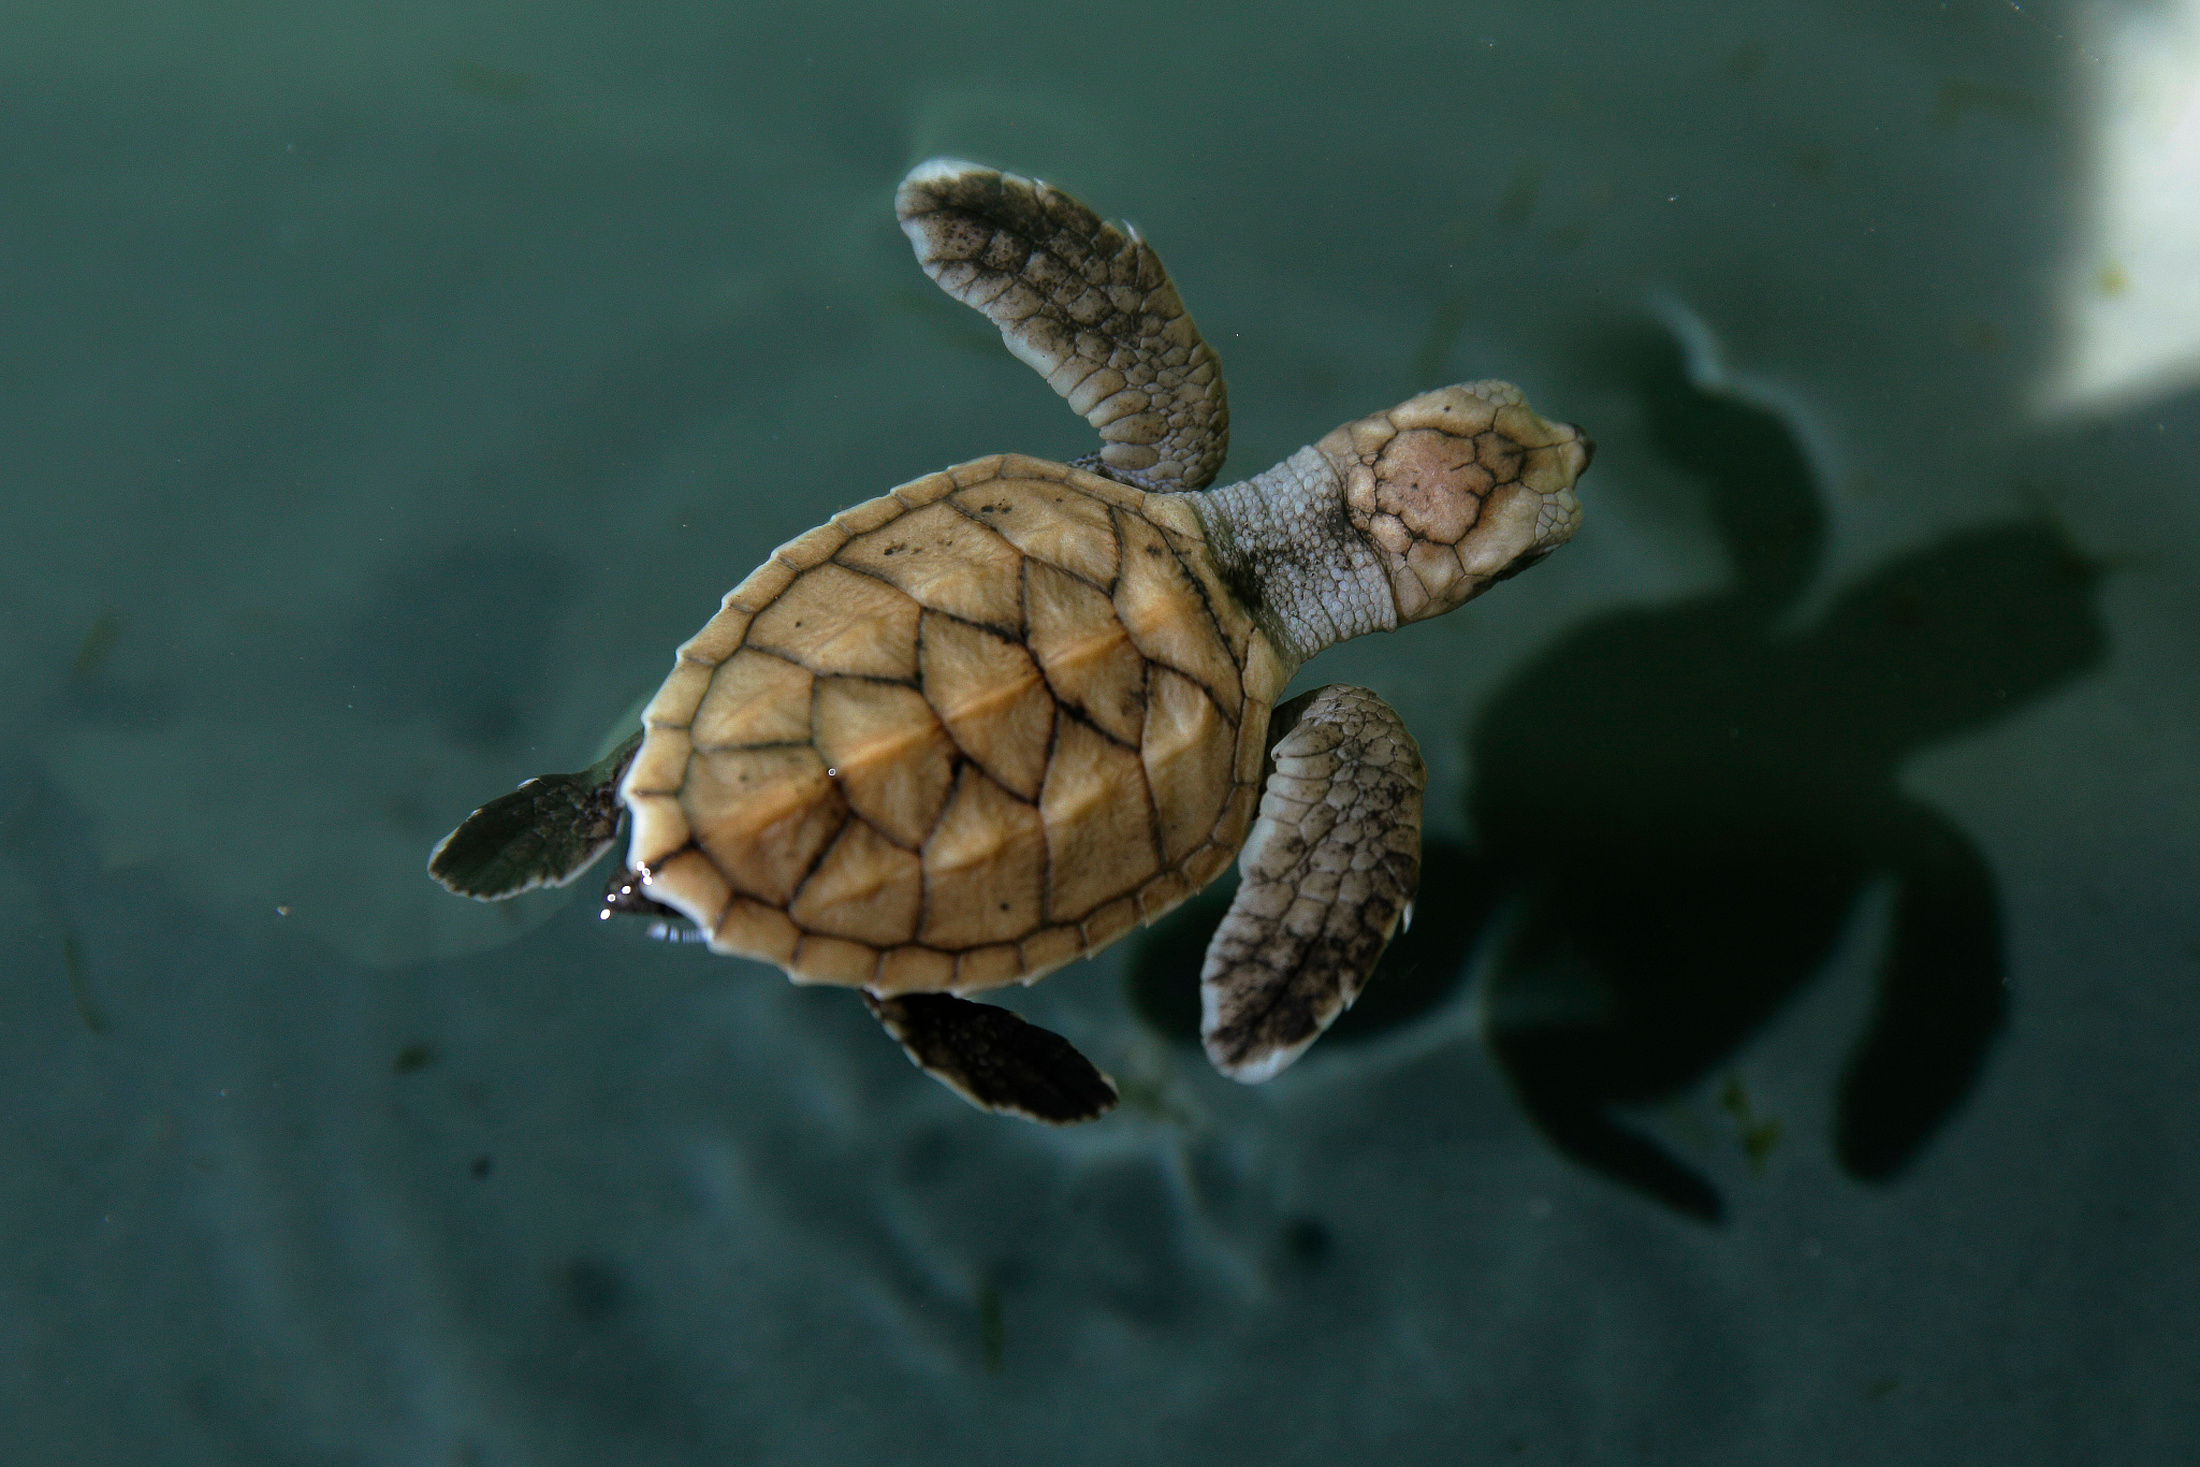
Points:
(960, 735)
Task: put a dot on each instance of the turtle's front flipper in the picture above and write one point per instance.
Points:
(544, 833)
(1330, 868)
(994, 1059)
(1085, 304)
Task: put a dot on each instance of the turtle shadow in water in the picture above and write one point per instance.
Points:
(1690, 801)
(1682, 806)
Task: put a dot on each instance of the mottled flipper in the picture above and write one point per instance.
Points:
(994, 1059)
(544, 833)
(1087, 305)
(1329, 869)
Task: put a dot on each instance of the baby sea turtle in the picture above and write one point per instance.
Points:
(957, 736)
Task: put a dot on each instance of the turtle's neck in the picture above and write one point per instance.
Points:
(1284, 546)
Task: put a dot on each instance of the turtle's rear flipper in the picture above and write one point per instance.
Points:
(994, 1059)
(1329, 871)
(544, 833)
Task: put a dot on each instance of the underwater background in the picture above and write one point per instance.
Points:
(1793, 1056)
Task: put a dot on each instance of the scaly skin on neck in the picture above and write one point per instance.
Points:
(1286, 548)
(1397, 517)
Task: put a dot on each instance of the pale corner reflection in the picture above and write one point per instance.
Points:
(2129, 324)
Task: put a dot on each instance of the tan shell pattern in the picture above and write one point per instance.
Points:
(957, 736)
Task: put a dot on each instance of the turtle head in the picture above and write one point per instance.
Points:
(1457, 489)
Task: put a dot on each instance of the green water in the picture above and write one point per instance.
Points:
(1790, 1058)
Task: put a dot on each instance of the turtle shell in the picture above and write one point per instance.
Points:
(958, 735)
